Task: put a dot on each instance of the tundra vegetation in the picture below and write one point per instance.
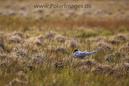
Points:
(37, 44)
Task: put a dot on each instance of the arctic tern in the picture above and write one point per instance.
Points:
(83, 54)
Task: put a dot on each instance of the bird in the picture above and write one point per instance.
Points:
(83, 54)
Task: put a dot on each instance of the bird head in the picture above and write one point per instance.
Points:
(75, 51)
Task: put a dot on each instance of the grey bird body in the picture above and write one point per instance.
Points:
(83, 54)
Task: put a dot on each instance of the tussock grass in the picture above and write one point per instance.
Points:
(36, 45)
(40, 52)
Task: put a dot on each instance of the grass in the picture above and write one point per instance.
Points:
(39, 52)
(59, 68)
(17, 23)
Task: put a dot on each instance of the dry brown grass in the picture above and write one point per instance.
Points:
(36, 45)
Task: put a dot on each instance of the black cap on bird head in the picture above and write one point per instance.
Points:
(75, 50)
